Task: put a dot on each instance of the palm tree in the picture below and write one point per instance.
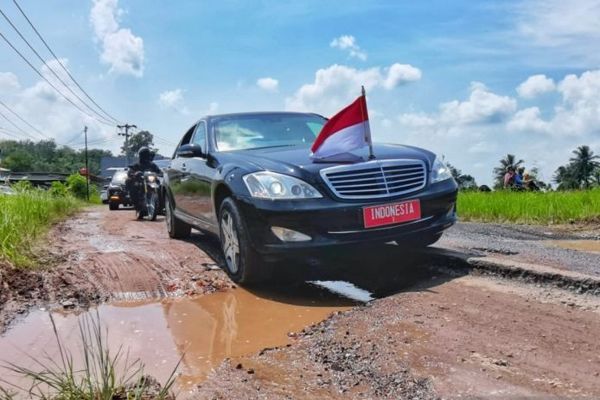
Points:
(505, 163)
(565, 179)
(583, 165)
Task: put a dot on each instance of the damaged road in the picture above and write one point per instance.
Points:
(394, 324)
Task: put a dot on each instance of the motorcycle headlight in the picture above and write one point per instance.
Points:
(151, 178)
(439, 171)
(274, 186)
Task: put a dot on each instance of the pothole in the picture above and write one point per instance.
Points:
(201, 331)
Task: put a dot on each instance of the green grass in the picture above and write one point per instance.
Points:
(25, 217)
(101, 375)
(530, 207)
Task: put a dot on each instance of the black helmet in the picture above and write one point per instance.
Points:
(144, 154)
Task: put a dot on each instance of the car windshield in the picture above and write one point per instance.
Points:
(119, 177)
(266, 130)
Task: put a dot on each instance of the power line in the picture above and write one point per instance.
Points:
(6, 132)
(17, 126)
(50, 68)
(23, 120)
(60, 62)
(48, 82)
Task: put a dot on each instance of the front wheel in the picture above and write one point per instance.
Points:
(113, 206)
(242, 263)
(152, 205)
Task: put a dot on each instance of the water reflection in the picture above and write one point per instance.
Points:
(205, 330)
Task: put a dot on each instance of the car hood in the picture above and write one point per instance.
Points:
(296, 160)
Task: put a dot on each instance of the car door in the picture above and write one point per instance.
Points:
(178, 173)
(198, 196)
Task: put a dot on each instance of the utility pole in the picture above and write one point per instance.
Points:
(87, 168)
(127, 127)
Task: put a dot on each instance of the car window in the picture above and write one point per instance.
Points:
(186, 139)
(266, 130)
(200, 135)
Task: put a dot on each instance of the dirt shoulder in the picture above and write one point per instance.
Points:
(103, 255)
(454, 337)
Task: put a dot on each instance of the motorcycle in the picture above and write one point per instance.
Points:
(149, 202)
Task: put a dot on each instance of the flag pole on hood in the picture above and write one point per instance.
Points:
(367, 126)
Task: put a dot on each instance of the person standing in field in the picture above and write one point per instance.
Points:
(509, 178)
(518, 178)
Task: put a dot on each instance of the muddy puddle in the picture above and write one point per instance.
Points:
(592, 246)
(204, 330)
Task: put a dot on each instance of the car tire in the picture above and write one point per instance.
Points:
(243, 264)
(177, 228)
(113, 206)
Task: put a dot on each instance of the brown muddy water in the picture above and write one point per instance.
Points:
(592, 246)
(204, 330)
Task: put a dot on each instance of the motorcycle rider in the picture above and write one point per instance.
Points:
(135, 175)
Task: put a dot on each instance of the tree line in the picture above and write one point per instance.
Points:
(48, 156)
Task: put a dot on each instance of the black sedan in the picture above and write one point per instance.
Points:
(248, 178)
(117, 192)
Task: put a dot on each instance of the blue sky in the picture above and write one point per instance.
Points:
(469, 80)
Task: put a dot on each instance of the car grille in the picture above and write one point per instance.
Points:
(376, 179)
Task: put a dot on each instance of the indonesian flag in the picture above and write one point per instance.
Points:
(346, 131)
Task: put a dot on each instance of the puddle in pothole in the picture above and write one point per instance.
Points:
(205, 330)
(581, 245)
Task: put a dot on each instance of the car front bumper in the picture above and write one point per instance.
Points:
(334, 223)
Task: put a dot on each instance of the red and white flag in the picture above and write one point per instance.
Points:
(346, 131)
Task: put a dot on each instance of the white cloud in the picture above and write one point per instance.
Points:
(554, 23)
(556, 32)
(483, 106)
(8, 82)
(336, 85)
(121, 49)
(348, 43)
(398, 74)
(535, 85)
(578, 114)
(268, 84)
(213, 107)
(174, 100)
(44, 108)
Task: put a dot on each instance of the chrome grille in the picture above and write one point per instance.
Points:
(376, 179)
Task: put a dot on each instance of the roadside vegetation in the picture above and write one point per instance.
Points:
(530, 207)
(27, 215)
(576, 198)
(96, 374)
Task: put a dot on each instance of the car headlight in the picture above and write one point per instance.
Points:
(439, 171)
(274, 186)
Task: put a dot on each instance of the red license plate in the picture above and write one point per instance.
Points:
(393, 213)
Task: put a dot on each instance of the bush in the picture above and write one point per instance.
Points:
(24, 217)
(59, 189)
(77, 185)
(22, 186)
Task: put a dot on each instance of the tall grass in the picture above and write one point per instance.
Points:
(103, 375)
(530, 207)
(27, 215)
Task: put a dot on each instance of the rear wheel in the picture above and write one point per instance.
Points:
(242, 263)
(113, 206)
(177, 228)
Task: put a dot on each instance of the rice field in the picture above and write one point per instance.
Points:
(530, 207)
(26, 216)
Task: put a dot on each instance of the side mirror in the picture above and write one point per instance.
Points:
(190, 150)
